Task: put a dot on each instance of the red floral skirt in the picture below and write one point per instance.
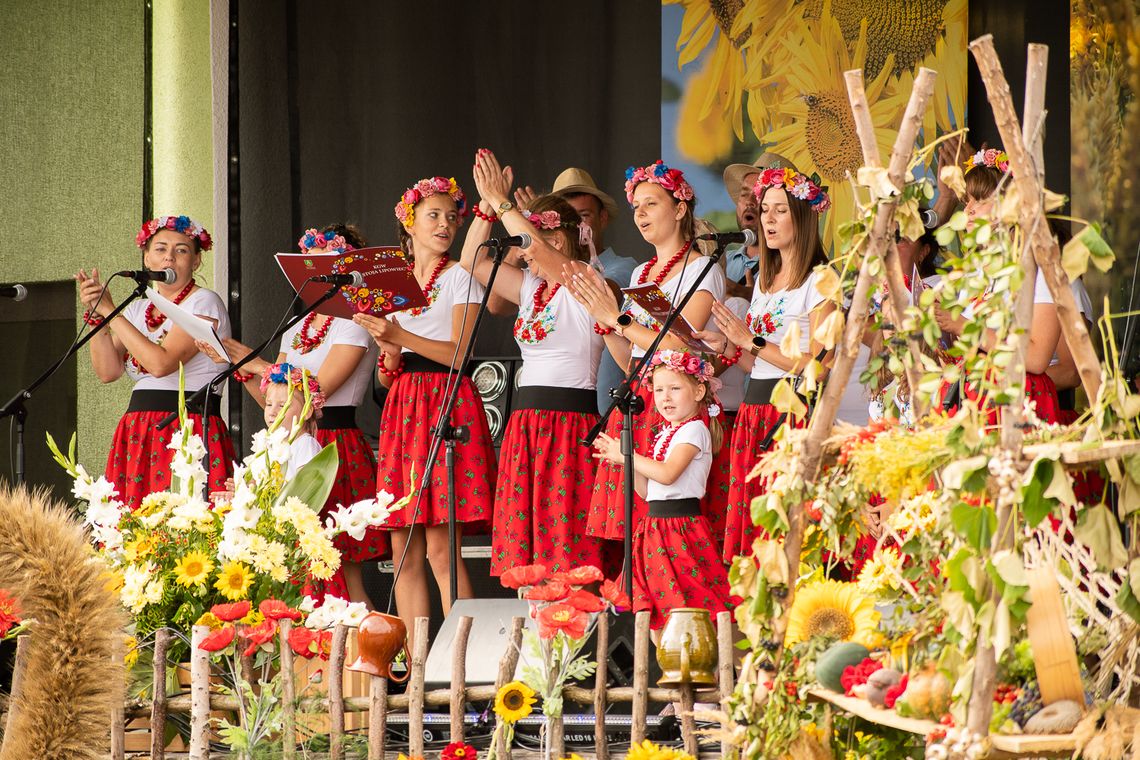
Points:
(607, 503)
(355, 480)
(676, 564)
(1039, 388)
(543, 494)
(139, 462)
(410, 411)
(753, 424)
(714, 505)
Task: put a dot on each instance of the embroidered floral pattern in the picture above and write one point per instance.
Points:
(766, 317)
(534, 328)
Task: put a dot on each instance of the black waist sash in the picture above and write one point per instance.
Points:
(675, 508)
(417, 363)
(337, 418)
(150, 400)
(760, 390)
(556, 399)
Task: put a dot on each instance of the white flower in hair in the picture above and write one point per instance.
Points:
(714, 410)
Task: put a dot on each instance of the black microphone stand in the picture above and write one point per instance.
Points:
(631, 404)
(15, 406)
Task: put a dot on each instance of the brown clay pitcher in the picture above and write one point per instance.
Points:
(379, 638)
(687, 650)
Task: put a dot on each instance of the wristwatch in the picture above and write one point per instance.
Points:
(623, 321)
(504, 207)
(757, 344)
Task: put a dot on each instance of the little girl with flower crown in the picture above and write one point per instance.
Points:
(675, 558)
(283, 385)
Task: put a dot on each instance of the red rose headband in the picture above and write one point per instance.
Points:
(796, 185)
(425, 188)
(994, 158)
(182, 224)
(673, 180)
(686, 364)
(294, 377)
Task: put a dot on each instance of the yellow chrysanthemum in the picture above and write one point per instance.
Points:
(138, 549)
(833, 609)
(193, 569)
(253, 617)
(152, 502)
(234, 581)
(113, 581)
(882, 571)
(514, 701)
(209, 619)
(647, 750)
(130, 651)
(919, 514)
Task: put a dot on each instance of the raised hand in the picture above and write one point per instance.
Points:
(524, 196)
(731, 325)
(492, 180)
(90, 286)
(715, 340)
(591, 290)
(608, 449)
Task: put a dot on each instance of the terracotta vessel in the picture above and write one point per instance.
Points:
(687, 651)
(379, 639)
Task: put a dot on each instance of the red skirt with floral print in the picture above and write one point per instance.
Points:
(676, 564)
(753, 424)
(1039, 388)
(714, 504)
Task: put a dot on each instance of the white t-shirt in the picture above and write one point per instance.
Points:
(301, 451)
(568, 354)
(342, 332)
(732, 379)
(1042, 294)
(199, 370)
(675, 289)
(771, 314)
(855, 405)
(455, 286)
(692, 481)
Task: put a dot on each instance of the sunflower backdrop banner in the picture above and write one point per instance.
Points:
(743, 77)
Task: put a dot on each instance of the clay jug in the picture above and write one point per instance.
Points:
(687, 651)
(379, 638)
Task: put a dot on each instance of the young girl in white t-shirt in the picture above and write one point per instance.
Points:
(282, 386)
(675, 558)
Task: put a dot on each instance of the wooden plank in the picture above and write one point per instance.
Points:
(1079, 452)
(377, 717)
(865, 710)
(158, 703)
(726, 680)
(601, 676)
(459, 677)
(640, 676)
(288, 691)
(336, 692)
(416, 690)
(199, 695)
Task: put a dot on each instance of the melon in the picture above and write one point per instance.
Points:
(830, 665)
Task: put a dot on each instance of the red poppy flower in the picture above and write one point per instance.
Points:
(458, 751)
(585, 601)
(232, 611)
(579, 576)
(262, 633)
(613, 594)
(523, 575)
(275, 609)
(561, 617)
(9, 612)
(894, 692)
(303, 642)
(551, 591)
(217, 640)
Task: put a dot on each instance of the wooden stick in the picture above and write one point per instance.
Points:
(640, 676)
(158, 704)
(199, 695)
(416, 690)
(1029, 188)
(601, 676)
(377, 717)
(118, 712)
(688, 722)
(725, 670)
(506, 673)
(459, 677)
(19, 670)
(556, 736)
(288, 692)
(336, 692)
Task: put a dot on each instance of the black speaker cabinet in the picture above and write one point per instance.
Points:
(496, 379)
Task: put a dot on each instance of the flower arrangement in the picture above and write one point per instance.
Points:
(547, 220)
(425, 188)
(296, 378)
(183, 224)
(797, 185)
(687, 364)
(994, 158)
(325, 242)
(673, 180)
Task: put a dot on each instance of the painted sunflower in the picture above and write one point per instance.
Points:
(193, 569)
(833, 609)
(234, 581)
(514, 701)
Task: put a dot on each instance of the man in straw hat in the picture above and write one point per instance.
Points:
(741, 263)
(597, 209)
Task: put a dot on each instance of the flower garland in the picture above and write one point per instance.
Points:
(425, 188)
(305, 343)
(326, 242)
(993, 158)
(296, 378)
(685, 363)
(540, 323)
(658, 173)
(797, 185)
(183, 224)
(547, 220)
(431, 289)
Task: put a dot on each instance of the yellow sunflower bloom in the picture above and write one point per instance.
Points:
(138, 549)
(193, 569)
(882, 571)
(834, 609)
(514, 701)
(131, 651)
(234, 581)
(210, 620)
(647, 750)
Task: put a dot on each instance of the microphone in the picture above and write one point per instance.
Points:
(166, 276)
(351, 279)
(929, 218)
(748, 237)
(514, 241)
(15, 292)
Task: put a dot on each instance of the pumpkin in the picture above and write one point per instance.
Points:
(829, 667)
(928, 693)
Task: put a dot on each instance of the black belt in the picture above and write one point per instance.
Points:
(675, 508)
(146, 400)
(417, 363)
(552, 398)
(337, 418)
(760, 390)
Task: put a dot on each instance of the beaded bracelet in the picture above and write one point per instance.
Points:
(492, 218)
(392, 373)
(728, 361)
(602, 330)
(243, 377)
(92, 319)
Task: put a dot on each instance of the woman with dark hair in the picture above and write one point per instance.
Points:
(143, 344)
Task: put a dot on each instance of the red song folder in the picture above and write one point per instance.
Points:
(389, 284)
(651, 298)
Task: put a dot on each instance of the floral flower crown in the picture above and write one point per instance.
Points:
(327, 241)
(797, 185)
(685, 363)
(994, 158)
(658, 173)
(425, 188)
(286, 374)
(183, 224)
(547, 220)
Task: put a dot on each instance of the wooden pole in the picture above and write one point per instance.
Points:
(640, 676)
(725, 669)
(336, 692)
(288, 692)
(19, 670)
(506, 673)
(158, 704)
(459, 678)
(688, 722)
(556, 736)
(377, 717)
(416, 690)
(118, 713)
(199, 695)
(601, 676)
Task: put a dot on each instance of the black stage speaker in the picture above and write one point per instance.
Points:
(496, 379)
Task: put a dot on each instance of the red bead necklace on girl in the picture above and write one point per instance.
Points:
(660, 278)
(430, 286)
(662, 451)
(535, 329)
(303, 342)
(153, 319)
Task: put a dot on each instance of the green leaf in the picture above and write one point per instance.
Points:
(1086, 247)
(314, 482)
(1127, 602)
(1134, 573)
(769, 514)
(1098, 529)
(958, 611)
(955, 474)
(1009, 568)
(976, 525)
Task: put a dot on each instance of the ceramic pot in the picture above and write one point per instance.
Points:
(379, 638)
(687, 651)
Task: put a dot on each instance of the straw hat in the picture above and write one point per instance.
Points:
(734, 174)
(573, 181)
